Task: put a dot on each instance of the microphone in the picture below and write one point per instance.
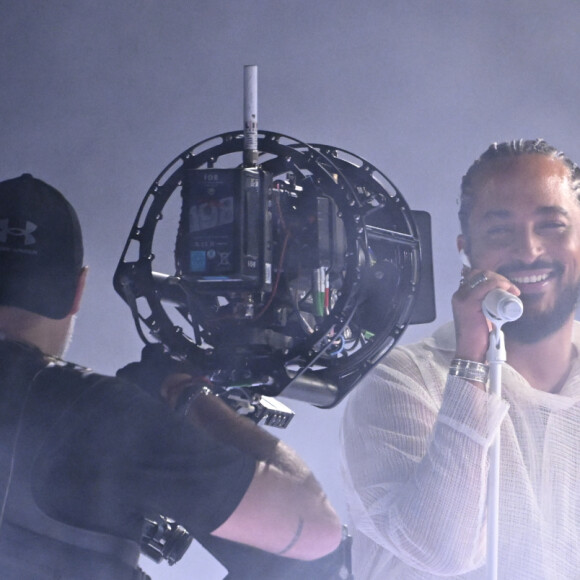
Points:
(500, 306)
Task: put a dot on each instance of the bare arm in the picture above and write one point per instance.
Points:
(284, 511)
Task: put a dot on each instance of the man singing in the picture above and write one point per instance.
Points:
(417, 431)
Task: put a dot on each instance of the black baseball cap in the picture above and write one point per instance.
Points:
(41, 248)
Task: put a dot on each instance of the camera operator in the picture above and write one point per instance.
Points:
(86, 459)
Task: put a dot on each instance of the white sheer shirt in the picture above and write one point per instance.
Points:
(415, 457)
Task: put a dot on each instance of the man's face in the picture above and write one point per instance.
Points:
(525, 225)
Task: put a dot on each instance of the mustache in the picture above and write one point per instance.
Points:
(508, 269)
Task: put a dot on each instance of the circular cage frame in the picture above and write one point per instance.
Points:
(363, 195)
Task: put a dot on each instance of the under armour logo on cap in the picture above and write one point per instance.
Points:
(26, 232)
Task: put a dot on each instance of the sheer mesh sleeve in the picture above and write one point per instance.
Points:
(415, 445)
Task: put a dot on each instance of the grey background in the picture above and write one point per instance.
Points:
(98, 97)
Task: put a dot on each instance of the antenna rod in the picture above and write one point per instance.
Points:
(250, 115)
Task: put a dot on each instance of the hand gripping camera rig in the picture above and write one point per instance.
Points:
(295, 268)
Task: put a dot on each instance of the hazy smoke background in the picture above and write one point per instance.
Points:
(98, 97)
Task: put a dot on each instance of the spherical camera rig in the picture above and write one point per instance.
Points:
(293, 275)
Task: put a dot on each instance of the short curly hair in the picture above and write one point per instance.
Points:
(505, 150)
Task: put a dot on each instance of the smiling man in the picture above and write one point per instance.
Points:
(416, 433)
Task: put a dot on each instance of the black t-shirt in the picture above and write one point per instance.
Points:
(107, 455)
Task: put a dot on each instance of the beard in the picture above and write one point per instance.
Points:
(533, 326)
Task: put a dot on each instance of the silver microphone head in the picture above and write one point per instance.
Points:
(501, 306)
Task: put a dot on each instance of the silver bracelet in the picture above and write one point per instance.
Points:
(469, 370)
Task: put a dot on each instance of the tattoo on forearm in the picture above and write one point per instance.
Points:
(295, 538)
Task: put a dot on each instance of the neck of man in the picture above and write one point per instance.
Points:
(48, 335)
(545, 364)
